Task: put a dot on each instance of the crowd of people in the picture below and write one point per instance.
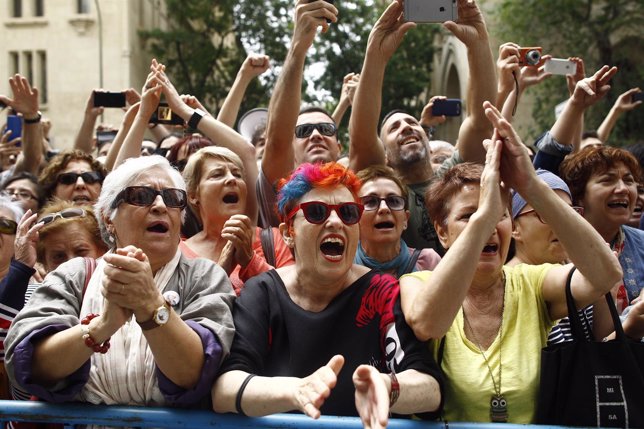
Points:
(275, 273)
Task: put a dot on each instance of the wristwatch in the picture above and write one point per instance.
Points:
(33, 120)
(159, 318)
(196, 118)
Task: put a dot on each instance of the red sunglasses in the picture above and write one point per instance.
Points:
(317, 212)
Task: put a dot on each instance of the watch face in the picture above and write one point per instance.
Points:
(162, 315)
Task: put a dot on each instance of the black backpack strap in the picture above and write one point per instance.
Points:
(441, 351)
(411, 263)
(268, 245)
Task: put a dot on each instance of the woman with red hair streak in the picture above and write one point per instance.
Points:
(603, 180)
(318, 335)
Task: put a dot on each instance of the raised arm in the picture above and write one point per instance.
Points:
(587, 92)
(624, 103)
(472, 31)
(85, 133)
(598, 269)
(283, 109)
(430, 309)
(220, 133)
(131, 147)
(117, 143)
(25, 102)
(348, 91)
(253, 66)
(386, 35)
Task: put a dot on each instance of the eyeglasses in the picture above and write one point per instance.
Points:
(145, 196)
(63, 214)
(8, 226)
(325, 128)
(579, 210)
(18, 193)
(372, 202)
(317, 212)
(89, 177)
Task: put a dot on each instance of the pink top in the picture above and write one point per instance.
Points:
(257, 264)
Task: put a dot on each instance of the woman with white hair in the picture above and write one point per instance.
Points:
(10, 271)
(147, 326)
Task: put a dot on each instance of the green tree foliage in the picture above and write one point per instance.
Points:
(599, 31)
(267, 26)
(200, 50)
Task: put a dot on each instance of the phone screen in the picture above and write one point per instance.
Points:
(109, 99)
(14, 124)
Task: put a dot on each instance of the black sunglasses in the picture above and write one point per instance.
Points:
(325, 128)
(63, 214)
(317, 212)
(89, 177)
(7, 226)
(145, 196)
(372, 202)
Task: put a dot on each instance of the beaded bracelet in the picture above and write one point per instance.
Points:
(395, 389)
(87, 338)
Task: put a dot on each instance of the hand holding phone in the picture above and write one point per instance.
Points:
(14, 124)
(638, 96)
(446, 107)
(165, 115)
(560, 66)
(109, 99)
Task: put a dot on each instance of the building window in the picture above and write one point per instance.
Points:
(39, 7)
(41, 83)
(14, 63)
(28, 66)
(82, 6)
(16, 8)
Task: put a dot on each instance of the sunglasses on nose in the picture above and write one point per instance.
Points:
(63, 214)
(325, 128)
(145, 196)
(317, 212)
(372, 202)
(8, 226)
(89, 177)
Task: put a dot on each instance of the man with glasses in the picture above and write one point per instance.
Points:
(293, 136)
(402, 143)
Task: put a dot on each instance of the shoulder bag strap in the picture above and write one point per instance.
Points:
(411, 263)
(268, 246)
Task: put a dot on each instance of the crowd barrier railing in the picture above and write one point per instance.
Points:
(170, 418)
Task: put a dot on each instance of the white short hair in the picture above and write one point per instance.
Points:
(16, 210)
(126, 175)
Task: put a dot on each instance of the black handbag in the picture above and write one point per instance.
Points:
(592, 384)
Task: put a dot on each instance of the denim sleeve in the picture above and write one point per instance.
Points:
(550, 153)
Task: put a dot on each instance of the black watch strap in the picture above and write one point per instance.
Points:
(33, 120)
(196, 118)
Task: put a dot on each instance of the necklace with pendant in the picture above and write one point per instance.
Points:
(498, 403)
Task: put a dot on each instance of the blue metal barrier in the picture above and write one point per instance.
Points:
(169, 418)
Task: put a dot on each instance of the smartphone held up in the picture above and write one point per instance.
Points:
(430, 11)
(109, 99)
(446, 107)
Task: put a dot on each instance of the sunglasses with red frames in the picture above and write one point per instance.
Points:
(317, 212)
(325, 128)
(89, 177)
(145, 196)
(579, 210)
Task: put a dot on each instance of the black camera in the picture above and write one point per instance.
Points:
(165, 115)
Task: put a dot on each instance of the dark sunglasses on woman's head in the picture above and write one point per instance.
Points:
(372, 202)
(579, 210)
(145, 196)
(8, 226)
(317, 212)
(325, 128)
(63, 214)
(89, 177)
